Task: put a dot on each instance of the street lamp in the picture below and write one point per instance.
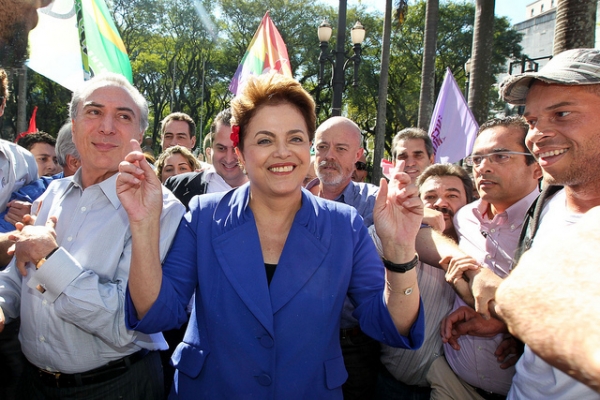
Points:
(339, 60)
(527, 64)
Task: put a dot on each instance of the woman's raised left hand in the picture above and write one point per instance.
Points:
(397, 214)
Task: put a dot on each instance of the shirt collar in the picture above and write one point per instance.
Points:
(513, 215)
(107, 186)
(346, 193)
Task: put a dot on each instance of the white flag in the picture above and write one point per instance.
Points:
(54, 45)
(453, 128)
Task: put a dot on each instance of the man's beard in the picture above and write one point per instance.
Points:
(328, 176)
(13, 45)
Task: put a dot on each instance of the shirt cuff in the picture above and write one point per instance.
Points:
(55, 275)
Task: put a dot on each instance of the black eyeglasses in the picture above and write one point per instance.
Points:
(500, 157)
(361, 166)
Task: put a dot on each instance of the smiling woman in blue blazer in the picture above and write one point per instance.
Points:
(270, 264)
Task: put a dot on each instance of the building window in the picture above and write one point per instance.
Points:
(532, 12)
(542, 8)
(551, 3)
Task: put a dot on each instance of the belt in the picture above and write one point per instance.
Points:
(489, 395)
(102, 374)
(350, 332)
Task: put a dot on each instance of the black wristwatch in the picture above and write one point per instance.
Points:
(401, 268)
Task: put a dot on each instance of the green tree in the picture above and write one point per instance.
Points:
(454, 39)
(50, 98)
(171, 48)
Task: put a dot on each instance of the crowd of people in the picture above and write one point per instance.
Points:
(272, 269)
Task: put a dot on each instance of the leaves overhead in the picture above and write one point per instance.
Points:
(185, 52)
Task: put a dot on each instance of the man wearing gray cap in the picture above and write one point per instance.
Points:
(562, 108)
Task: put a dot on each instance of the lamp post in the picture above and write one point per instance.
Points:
(340, 61)
(527, 64)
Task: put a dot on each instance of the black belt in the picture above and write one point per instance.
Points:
(102, 374)
(489, 395)
(350, 332)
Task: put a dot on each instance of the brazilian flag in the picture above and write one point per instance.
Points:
(101, 46)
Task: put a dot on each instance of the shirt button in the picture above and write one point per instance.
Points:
(83, 209)
(492, 230)
(44, 302)
(264, 379)
(488, 256)
(266, 341)
(512, 227)
(42, 339)
(70, 238)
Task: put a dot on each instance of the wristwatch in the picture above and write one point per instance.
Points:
(401, 268)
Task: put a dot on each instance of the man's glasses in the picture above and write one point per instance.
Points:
(500, 157)
(361, 166)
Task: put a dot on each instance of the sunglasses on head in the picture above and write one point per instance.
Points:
(361, 166)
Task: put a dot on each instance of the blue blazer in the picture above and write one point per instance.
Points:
(249, 340)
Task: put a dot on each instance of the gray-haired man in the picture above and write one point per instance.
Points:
(75, 264)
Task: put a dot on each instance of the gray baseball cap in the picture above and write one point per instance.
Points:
(572, 67)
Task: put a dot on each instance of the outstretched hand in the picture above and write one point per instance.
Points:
(138, 187)
(456, 268)
(398, 211)
(466, 321)
(32, 243)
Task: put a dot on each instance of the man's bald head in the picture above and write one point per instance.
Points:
(341, 123)
(338, 144)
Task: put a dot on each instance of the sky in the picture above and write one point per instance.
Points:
(513, 9)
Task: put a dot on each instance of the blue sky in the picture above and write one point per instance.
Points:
(513, 9)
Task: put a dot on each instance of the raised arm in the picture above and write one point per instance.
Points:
(560, 280)
(397, 214)
(140, 193)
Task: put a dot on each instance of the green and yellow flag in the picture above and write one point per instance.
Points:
(75, 40)
(101, 40)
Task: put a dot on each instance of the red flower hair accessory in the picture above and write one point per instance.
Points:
(235, 135)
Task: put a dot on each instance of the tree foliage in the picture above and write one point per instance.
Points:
(182, 63)
(454, 39)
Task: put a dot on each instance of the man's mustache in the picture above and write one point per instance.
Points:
(329, 164)
(445, 211)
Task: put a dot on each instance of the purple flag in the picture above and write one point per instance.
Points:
(453, 128)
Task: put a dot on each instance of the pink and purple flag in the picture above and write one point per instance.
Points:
(266, 53)
(453, 128)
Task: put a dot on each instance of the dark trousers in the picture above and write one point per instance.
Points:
(173, 338)
(389, 388)
(142, 381)
(12, 360)
(361, 358)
